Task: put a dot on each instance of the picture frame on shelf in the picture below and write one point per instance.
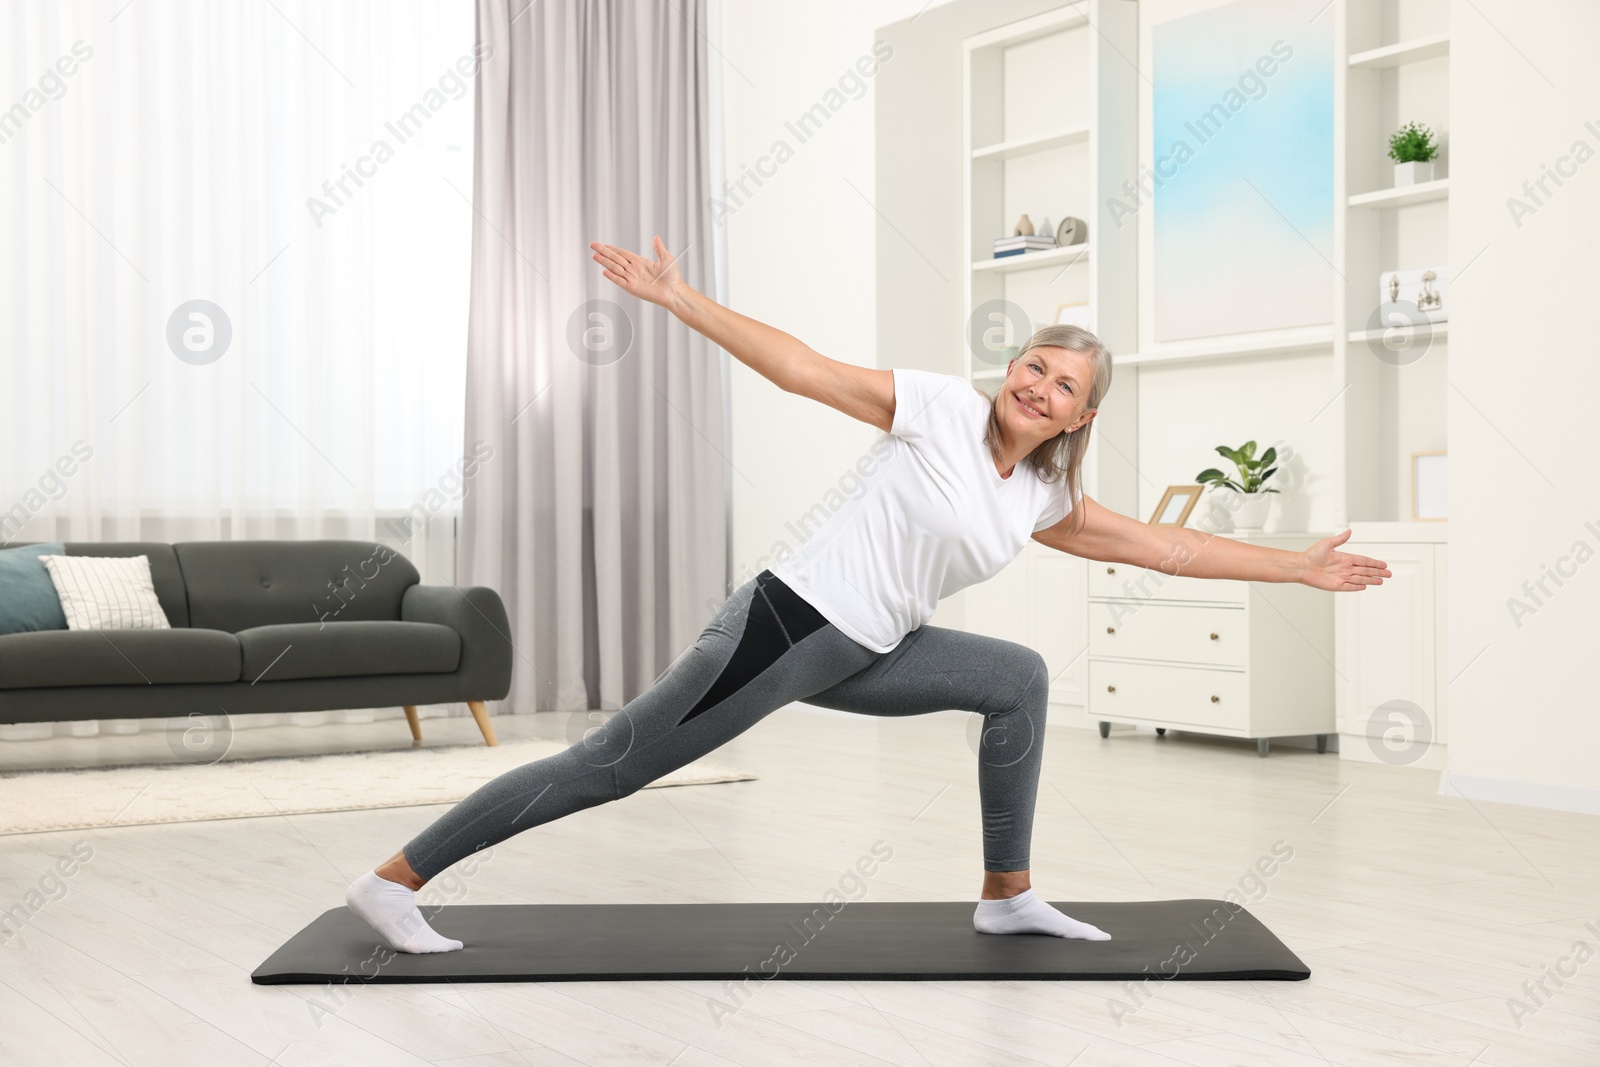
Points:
(1073, 314)
(1416, 294)
(1176, 503)
(1428, 487)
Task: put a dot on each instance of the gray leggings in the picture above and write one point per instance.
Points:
(765, 648)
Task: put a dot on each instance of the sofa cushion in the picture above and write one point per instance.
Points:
(287, 651)
(106, 592)
(117, 657)
(163, 571)
(28, 599)
(236, 585)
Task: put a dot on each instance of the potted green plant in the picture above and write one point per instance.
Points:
(1413, 150)
(1252, 502)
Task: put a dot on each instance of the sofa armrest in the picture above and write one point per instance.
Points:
(479, 616)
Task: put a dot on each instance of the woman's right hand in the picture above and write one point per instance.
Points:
(657, 281)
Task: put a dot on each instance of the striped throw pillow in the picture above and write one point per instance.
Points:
(106, 592)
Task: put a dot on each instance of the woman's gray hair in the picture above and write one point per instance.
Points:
(1062, 455)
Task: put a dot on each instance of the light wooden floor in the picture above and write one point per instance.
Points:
(1420, 916)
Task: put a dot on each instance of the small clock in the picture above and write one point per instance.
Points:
(1071, 232)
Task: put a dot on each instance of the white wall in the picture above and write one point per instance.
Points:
(800, 249)
(1524, 382)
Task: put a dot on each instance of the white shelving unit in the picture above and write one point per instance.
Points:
(1390, 642)
(1394, 55)
(1020, 82)
(1049, 127)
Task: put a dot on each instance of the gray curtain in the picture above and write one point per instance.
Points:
(600, 517)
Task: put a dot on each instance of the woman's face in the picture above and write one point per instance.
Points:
(1044, 393)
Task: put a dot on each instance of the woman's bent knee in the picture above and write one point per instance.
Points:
(1029, 677)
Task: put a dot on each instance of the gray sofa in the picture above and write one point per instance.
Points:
(268, 626)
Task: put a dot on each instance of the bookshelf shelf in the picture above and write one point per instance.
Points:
(1066, 256)
(1024, 146)
(1398, 55)
(1421, 193)
(1435, 329)
(1278, 344)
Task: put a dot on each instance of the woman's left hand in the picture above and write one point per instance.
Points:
(657, 281)
(1340, 572)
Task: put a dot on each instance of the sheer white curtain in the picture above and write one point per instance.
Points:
(233, 153)
(305, 169)
(603, 522)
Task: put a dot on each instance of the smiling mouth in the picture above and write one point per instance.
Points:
(1028, 408)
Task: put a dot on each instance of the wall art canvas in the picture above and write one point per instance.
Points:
(1240, 169)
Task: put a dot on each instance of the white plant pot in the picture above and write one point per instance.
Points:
(1250, 514)
(1412, 173)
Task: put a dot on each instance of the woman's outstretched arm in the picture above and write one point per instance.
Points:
(1112, 537)
(783, 359)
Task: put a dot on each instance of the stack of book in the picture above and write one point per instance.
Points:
(1016, 246)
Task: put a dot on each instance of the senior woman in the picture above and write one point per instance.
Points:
(842, 622)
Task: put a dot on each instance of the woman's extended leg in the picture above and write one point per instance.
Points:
(939, 669)
(765, 647)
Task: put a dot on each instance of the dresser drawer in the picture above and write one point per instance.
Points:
(1193, 633)
(1181, 696)
(1142, 583)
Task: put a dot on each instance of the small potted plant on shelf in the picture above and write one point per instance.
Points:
(1250, 499)
(1413, 150)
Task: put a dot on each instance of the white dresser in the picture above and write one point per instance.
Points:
(1217, 656)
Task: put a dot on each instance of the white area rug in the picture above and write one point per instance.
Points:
(34, 801)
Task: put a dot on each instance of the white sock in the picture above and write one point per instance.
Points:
(391, 909)
(1027, 914)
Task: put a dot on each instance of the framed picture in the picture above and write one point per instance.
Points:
(1428, 486)
(1176, 503)
(1242, 225)
(1073, 314)
(1421, 294)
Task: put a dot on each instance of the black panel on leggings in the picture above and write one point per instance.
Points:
(778, 617)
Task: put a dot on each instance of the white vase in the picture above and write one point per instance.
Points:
(1250, 514)
(1412, 173)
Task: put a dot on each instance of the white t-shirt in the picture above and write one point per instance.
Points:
(933, 517)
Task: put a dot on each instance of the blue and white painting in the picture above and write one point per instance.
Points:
(1241, 175)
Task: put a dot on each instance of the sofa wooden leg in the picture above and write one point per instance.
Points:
(416, 726)
(482, 715)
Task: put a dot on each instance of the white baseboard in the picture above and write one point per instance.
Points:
(1576, 798)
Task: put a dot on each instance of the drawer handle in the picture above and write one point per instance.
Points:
(1111, 570)
(1111, 629)
(1111, 689)
(1215, 698)
(1213, 637)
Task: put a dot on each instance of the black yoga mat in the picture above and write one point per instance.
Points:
(1206, 940)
